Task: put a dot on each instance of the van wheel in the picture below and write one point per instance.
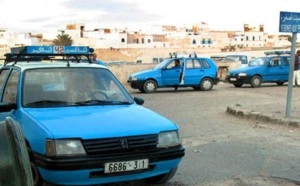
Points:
(150, 86)
(206, 84)
(162, 178)
(256, 81)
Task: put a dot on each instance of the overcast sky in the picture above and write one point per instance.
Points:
(53, 15)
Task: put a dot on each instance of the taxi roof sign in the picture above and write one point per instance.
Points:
(52, 50)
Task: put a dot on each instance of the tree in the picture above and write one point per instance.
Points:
(62, 40)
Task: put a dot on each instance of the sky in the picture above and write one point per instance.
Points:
(53, 15)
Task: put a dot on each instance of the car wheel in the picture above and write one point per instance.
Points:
(280, 83)
(256, 81)
(238, 85)
(141, 90)
(196, 88)
(162, 178)
(206, 84)
(150, 86)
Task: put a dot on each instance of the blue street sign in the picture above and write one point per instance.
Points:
(289, 22)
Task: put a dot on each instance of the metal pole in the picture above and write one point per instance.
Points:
(291, 75)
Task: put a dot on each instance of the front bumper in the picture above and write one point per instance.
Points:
(238, 79)
(90, 169)
(138, 84)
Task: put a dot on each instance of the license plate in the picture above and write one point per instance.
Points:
(232, 79)
(123, 166)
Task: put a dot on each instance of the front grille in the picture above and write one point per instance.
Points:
(121, 145)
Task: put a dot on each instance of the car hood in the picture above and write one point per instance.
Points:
(89, 122)
(245, 69)
(144, 74)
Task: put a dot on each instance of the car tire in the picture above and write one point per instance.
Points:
(238, 85)
(163, 178)
(280, 83)
(150, 86)
(206, 84)
(196, 88)
(141, 90)
(256, 81)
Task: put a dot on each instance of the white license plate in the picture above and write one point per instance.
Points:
(123, 166)
(232, 79)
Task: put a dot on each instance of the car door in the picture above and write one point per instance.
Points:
(274, 70)
(170, 75)
(9, 80)
(194, 71)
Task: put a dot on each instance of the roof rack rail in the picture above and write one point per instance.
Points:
(37, 53)
(185, 54)
(278, 52)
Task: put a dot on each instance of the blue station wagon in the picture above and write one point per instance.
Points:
(80, 124)
(197, 72)
(269, 69)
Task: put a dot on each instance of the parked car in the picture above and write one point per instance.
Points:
(273, 68)
(80, 124)
(197, 72)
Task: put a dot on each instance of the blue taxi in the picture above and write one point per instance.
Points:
(272, 68)
(80, 124)
(197, 72)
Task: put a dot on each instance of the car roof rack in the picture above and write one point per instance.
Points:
(38, 53)
(176, 55)
(278, 52)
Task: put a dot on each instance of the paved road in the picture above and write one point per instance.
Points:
(225, 150)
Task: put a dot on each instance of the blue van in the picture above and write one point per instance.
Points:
(80, 124)
(272, 68)
(199, 73)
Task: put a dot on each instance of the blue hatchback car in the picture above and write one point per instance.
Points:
(197, 72)
(80, 124)
(273, 68)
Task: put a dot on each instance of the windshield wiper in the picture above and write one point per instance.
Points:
(47, 103)
(92, 102)
(102, 102)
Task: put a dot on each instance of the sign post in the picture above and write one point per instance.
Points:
(290, 22)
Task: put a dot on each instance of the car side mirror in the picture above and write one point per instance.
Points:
(6, 107)
(138, 100)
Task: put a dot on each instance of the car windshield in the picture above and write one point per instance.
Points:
(259, 61)
(241, 58)
(162, 64)
(72, 86)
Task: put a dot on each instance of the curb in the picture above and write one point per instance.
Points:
(258, 116)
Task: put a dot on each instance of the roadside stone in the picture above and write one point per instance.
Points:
(258, 116)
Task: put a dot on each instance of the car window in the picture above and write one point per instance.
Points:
(172, 64)
(193, 63)
(10, 91)
(205, 63)
(275, 62)
(286, 61)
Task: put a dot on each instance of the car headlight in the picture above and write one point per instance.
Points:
(242, 74)
(168, 139)
(134, 78)
(64, 147)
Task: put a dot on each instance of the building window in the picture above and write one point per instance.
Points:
(123, 40)
(253, 38)
(149, 41)
(242, 39)
(194, 42)
(247, 38)
(142, 40)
